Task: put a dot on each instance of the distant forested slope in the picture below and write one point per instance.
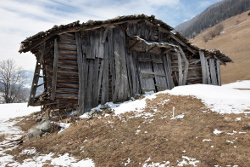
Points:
(212, 16)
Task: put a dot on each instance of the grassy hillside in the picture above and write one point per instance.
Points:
(212, 15)
(235, 43)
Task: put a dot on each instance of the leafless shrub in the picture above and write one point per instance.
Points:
(218, 29)
(207, 37)
(11, 82)
(237, 22)
(214, 32)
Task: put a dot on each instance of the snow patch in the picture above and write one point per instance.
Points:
(188, 161)
(219, 99)
(216, 132)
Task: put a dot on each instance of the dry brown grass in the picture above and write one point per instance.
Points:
(26, 122)
(235, 44)
(2, 137)
(112, 140)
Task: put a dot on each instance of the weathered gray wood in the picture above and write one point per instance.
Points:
(87, 44)
(100, 75)
(67, 85)
(111, 63)
(169, 78)
(100, 49)
(105, 78)
(208, 70)
(81, 91)
(204, 68)
(147, 83)
(137, 77)
(39, 56)
(70, 67)
(120, 64)
(186, 66)
(95, 83)
(172, 85)
(180, 69)
(67, 46)
(89, 89)
(105, 34)
(67, 41)
(67, 52)
(218, 72)
(67, 36)
(213, 72)
(159, 74)
(55, 70)
(67, 96)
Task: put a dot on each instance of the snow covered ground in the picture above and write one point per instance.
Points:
(222, 99)
(230, 98)
(11, 132)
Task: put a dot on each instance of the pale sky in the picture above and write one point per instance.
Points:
(20, 19)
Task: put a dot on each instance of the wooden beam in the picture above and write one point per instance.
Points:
(184, 82)
(208, 70)
(218, 72)
(55, 70)
(179, 68)
(203, 67)
(213, 71)
(81, 91)
(182, 43)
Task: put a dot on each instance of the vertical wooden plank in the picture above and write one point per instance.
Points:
(95, 93)
(88, 44)
(111, 62)
(159, 71)
(136, 71)
(128, 74)
(169, 78)
(85, 67)
(213, 72)
(105, 78)
(172, 85)
(81, 90)
(89, 89)
(100, 75)
(120, 64)
(184, 82)
(208, 70)
(180, 68)
(203, 67)
(55, 68)
(218, 72)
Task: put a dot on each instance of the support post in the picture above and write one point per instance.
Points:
(55, 69)
(203, 67)
(81, 90)
(184, 82)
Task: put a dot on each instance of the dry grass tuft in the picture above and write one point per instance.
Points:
(2, 137)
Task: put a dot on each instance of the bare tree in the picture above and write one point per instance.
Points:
(11, 82)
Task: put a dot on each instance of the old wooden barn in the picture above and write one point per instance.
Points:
(86, 64)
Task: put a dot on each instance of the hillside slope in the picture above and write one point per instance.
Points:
(235, 43)
(191, 125)
(212, 15)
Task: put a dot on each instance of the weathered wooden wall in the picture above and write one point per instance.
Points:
(85, 68)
